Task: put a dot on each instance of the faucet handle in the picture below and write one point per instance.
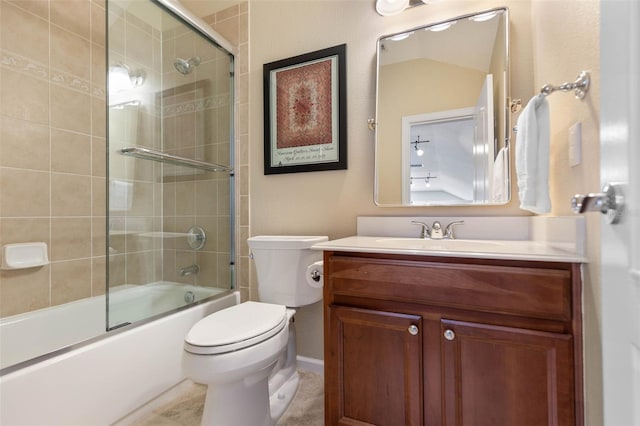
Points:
(436, 230)
(448, 232)
(424, 231)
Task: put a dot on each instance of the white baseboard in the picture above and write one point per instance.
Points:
(310, 364)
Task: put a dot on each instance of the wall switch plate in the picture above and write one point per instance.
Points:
(575, 144)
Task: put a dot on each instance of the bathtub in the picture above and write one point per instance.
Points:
(99, 382)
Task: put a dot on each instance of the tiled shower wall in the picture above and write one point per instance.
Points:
(233, 24)
(53, 152)
(52, 148)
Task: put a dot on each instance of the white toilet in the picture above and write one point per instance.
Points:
(246, 354)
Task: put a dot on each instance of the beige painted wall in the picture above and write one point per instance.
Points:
(551, 42)
(566, 39)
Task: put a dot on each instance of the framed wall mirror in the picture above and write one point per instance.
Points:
(442, 118)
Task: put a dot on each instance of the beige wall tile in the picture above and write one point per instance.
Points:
(243, 30)
(229, 28)
(23, 144)
(117, 270)
(72, 15)
(169, 272)
(70, 152)
(244, 210)
(139, 45)
(208, 275)
(70, 110)
(98, 32)
(142, 199)
(70, 238)
(227, 13)
(98, 275)
(98, 67)
(24, 290)
(70, 53)
(116, 33)
(23, 193)
(70, 280)
(98, 236)
(70, 195)
(98, 117)
(25, 230)
(206, 198)
(24, 97)
(243, 58)
(185, 199)
(224, 271)
(98, 196)
(40, 8)
(98, 157)
(24, 33)
(224, 235)
(140, 268)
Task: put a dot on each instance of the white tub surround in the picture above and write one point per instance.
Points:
(555, 239)
(101, 382)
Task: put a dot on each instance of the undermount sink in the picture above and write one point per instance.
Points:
(443, 244)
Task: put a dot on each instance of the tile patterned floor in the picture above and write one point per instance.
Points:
(306, 409)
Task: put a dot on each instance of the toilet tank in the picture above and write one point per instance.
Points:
(281, 265)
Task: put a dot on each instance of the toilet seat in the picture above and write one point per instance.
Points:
(235, 328)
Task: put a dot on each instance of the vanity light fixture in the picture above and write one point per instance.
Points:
(391, 7)
(441, 27)
(484, 16)
(402, 36)
(394, 7)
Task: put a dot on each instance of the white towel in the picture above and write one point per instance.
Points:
(532, 156)
(500, 184)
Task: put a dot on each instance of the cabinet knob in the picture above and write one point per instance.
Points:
(449, 334)
(413, 330)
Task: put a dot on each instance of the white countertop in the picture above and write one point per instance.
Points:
(480, 249)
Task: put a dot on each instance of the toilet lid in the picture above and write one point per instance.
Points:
(236, 327)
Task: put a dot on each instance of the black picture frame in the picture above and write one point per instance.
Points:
(305, 112)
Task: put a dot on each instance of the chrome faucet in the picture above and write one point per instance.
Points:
(435, 232)
(189, 270)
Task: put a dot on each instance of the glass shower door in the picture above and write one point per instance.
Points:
(170, 136)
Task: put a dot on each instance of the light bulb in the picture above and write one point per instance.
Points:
(419, 152)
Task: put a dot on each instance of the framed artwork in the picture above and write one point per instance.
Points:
(305, 112)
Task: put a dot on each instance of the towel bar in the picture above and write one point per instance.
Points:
(580, 87)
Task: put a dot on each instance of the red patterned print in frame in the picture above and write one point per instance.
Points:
(304, 105)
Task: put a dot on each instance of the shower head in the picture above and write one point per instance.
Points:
(185, 66)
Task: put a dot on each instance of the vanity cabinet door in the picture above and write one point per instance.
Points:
(503, 376)
(374, 368)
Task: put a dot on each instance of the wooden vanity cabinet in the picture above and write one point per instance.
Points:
(420, 340)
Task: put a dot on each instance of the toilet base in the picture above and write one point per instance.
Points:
(279, 401)
(241, 403)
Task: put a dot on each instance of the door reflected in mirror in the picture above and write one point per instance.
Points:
(441, 118)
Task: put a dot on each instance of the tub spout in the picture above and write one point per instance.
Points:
(189, 270)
